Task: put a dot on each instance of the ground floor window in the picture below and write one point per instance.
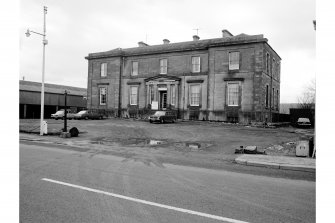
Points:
(103, 95)
(133, 95)
(267, 96)
(195, 95)
(233, 94)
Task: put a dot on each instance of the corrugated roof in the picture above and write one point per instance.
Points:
(51, 88)
(182, 46)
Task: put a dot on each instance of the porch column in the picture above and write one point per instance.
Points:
(148, 95)
(168, 92)
(155, 92)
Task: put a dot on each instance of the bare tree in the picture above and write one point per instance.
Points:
(307, 99)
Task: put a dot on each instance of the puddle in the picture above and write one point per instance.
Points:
(155, 142)
(193, 145)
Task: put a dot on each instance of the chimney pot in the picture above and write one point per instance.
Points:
(142, 44)
(196, 38)
(226, 33)
(166, 41)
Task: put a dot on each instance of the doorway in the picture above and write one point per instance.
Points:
(162, 100)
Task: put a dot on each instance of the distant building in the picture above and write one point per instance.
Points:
(30, 99)
(285, 107)
(231, 78)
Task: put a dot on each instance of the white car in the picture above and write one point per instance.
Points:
(60, 115)
(304, 123)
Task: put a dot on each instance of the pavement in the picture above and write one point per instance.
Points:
(278, 162)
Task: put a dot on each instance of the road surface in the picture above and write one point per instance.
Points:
(58, 185)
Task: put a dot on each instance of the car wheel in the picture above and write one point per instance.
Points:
(150, 121)
(86, 118)
(56, 118)
(100, 117)
(162, 121)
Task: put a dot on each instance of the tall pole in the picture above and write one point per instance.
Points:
(43, 71)
(65, 112)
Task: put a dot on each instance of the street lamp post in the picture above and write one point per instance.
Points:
(45, 42)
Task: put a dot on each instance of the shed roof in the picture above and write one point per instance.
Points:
(181, 46)
(51, 88)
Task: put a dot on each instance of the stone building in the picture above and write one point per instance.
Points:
(231, 78)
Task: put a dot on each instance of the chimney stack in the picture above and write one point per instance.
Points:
(196, 38)
(142, 44)
(226, 33)
(166, 41)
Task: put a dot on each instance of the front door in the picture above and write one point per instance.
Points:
(163, 100)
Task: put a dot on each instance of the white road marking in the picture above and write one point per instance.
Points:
(147, 202)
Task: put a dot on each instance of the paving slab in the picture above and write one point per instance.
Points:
(281, 162)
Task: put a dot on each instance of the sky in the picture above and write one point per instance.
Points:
(76, 28)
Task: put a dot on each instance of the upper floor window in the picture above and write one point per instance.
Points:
(195, 64)
(103, 95)
(233, 94)
(173, 94)
(267, 63)
(133, 95)
(273, 67)
(278, 71)
(234, 60)
(103, 69)
(134, 69)
(195, 95)
(163, 66)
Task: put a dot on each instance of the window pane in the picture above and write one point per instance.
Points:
(103, 96)
(135, 69)
(103, 70)
(163, 66)
(195, 95)
(195, 64)
(133, 95)
(233, 94)
(234, 60)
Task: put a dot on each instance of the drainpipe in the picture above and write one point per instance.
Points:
(208, 70)
(271, 94)
(120, 83)
(184, 98)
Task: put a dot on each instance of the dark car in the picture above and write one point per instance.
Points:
(87, 115)
(304, 123)
(163, 116)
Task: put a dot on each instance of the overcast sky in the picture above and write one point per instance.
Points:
(76, 28)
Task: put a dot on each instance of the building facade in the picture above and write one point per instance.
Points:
(54, 100)
(232, 78)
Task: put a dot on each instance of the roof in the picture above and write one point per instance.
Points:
(181, 46)
(51, 88)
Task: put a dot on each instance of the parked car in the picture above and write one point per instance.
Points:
(163, 116)
(60, 115)
(304, 123)
(87, 115)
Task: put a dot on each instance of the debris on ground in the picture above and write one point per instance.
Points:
(249, 150)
